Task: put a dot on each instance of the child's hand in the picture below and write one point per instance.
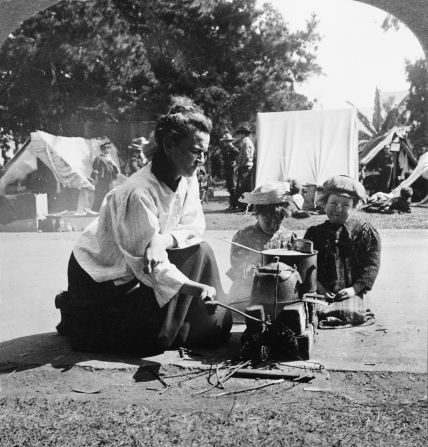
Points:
(329, 296)
(344, 294)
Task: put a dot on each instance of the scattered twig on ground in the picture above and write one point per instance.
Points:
(317, 366)
(224, 378)
(87, 391)
(213, 371)
(196, 371)
(274, 382)
(195, 376)
(154, 373)
(231, 408)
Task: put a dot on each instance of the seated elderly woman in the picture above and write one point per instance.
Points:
(270, 202)
(140, 275)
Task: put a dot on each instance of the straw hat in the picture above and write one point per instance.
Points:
(269, 193)
(227, 137)
(345, 186)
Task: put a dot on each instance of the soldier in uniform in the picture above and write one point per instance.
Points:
(245, 160)
(104, 172)
(230, 154)
(138, 159)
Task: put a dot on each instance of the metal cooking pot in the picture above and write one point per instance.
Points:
(274, 285)
(306, 264)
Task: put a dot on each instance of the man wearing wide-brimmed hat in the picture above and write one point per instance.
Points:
(245, 160)
(230, 154)
(104, 172)
(138, 159)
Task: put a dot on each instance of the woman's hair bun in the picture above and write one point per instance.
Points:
(183, 117)
(180, 104)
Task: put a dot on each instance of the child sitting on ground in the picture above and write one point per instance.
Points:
(348, 254)
(270, 203)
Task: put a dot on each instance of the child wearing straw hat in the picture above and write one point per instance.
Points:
(270, 202)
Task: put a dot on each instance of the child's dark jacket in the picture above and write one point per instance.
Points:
(347, 253)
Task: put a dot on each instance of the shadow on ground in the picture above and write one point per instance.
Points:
(33, 351)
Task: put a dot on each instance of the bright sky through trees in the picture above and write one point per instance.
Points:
(355, 53)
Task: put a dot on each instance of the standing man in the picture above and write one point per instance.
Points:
(245, 160)
(104, 172)
(138, 159)
(230, 154)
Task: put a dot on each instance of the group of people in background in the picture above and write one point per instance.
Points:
(104, 173)
(237, 153)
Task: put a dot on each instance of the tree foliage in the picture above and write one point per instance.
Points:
(122, 59)
(390, 22)
(377, 111)
(417, 104)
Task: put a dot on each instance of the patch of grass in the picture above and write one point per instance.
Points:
(326, 421)
(218, 218)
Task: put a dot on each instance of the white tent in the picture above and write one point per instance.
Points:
(309, 145)
(421, 170)
(69, 158)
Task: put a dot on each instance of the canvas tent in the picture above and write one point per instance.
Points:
(68, 158)
(420, 172)
(385, 160)
(309, 145)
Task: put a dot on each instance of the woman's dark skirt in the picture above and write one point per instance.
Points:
(102, 317)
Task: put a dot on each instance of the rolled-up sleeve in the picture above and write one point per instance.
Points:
(137, 222)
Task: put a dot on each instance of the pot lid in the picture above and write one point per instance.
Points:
(284, 252)
(274, 267)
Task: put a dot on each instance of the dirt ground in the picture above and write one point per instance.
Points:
(81, 406)
(218, 218)
(46, 402)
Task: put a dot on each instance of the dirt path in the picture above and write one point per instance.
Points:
(82, 406)
(44, 404)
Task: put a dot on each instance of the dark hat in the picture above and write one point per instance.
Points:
(138, 143)
(105, 144)
(344, 186)
(243, 128)
(227, 137)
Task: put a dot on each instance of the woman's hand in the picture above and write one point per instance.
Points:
(208, 293)
(199, 290)
(154, 255)
(155, 252)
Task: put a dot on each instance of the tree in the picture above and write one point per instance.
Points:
(77, 61)
(377, 114)
(416, 113)
(123, 59)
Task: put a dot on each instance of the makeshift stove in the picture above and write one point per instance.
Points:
(281, 319)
